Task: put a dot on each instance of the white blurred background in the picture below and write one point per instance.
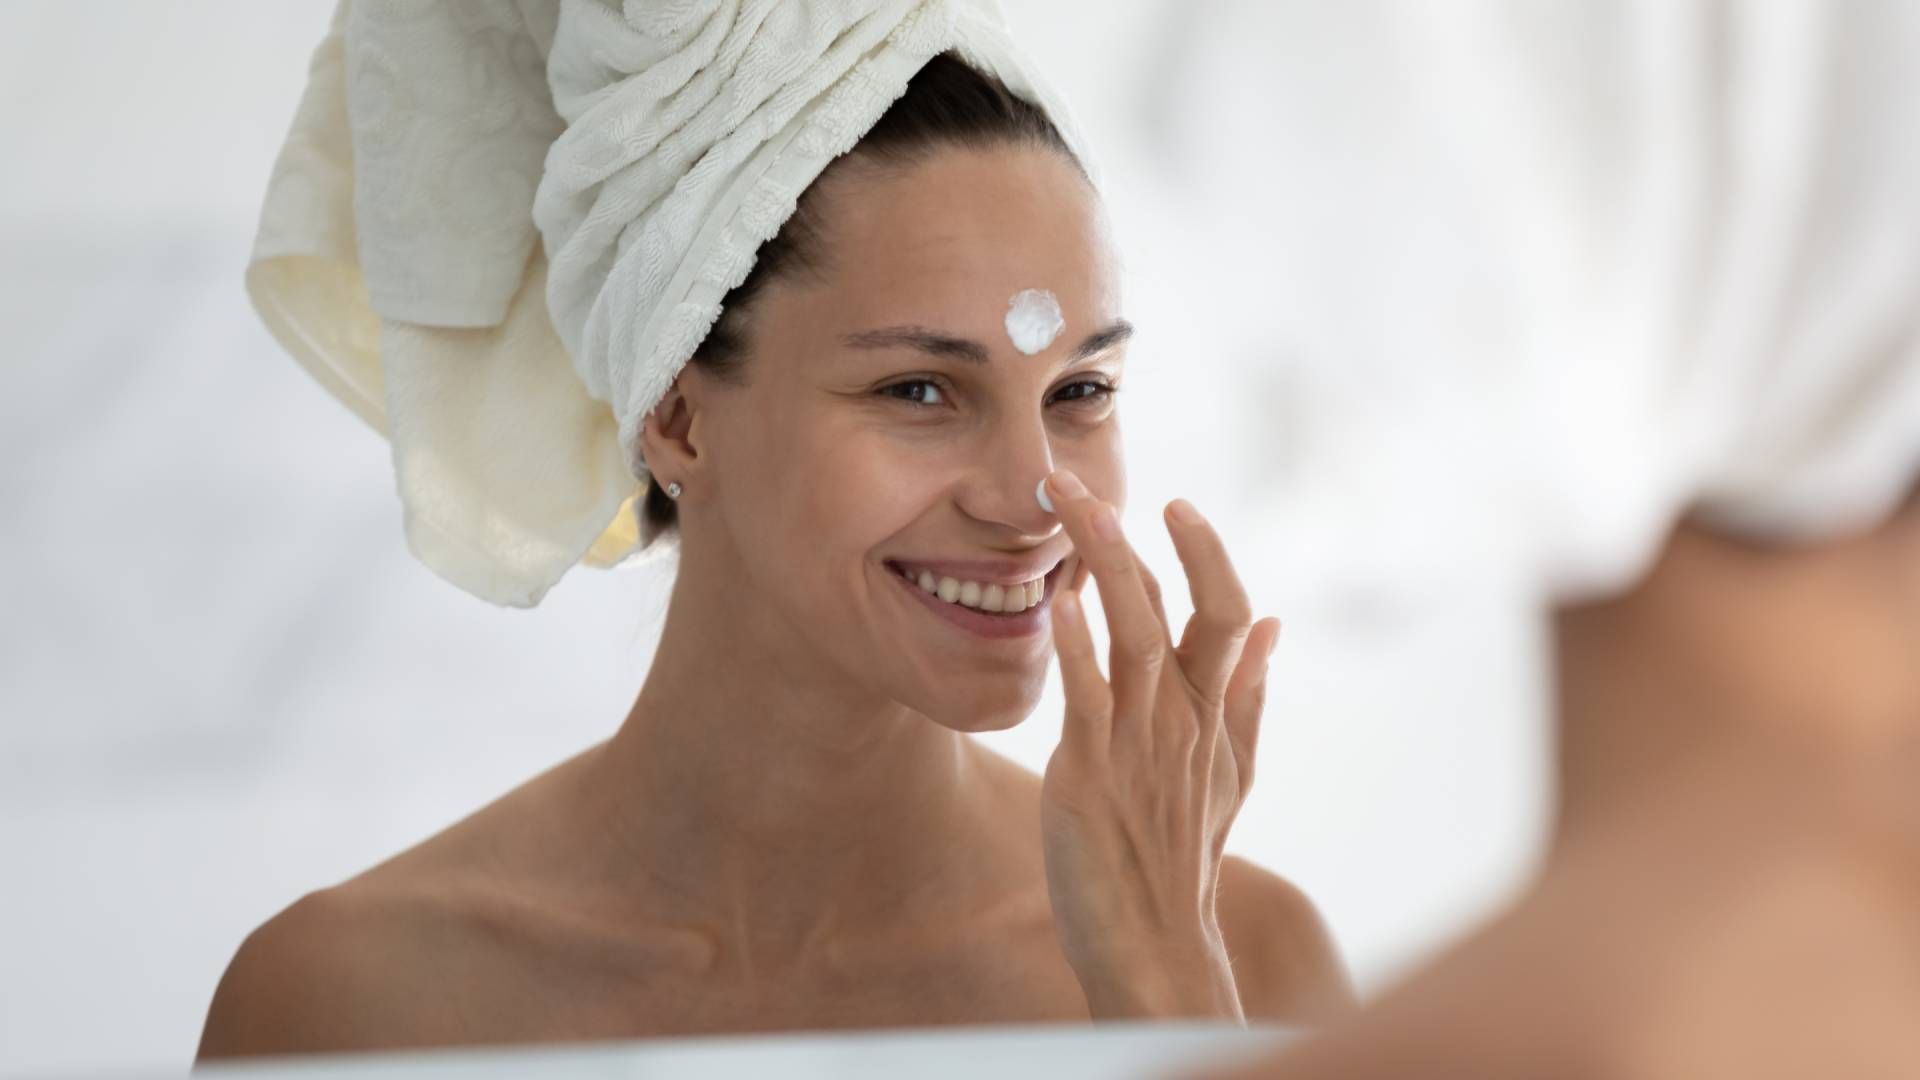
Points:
(224, 683)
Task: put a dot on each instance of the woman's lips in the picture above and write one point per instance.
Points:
(985, 624)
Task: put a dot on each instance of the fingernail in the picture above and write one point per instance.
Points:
(1183, 512)
(1068, 485)
(1106, 525)
(1041, 494)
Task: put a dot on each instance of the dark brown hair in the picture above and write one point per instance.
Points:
(946, 103)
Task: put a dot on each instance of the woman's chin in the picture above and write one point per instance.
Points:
(983, 713)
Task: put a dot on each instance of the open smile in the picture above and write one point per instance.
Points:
(966, 604)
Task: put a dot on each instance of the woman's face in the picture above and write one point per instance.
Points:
(888, 428)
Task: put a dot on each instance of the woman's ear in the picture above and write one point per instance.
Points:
(667, 438)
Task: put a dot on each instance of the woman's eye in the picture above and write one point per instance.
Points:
(1084, 392)
(929, 392)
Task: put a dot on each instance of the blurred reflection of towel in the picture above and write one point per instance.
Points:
(1623, 260)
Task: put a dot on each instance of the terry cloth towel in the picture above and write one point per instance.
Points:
(1612, 261)
(1711, 214)
(499, 228)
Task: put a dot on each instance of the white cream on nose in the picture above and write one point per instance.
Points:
(1033, 320)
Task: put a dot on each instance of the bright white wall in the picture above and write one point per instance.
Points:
(224, 683)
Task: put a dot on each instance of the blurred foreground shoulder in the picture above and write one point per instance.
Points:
(1284, 959)
(311, 979)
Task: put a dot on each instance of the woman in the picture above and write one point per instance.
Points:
(1696, 266)
(791, 828)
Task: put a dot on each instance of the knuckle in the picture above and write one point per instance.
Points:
(1229, 608)
(1091, 700)
(1209, 693)
(1256, 701)
(1140, 647)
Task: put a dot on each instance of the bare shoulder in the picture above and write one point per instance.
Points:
(409, 953)
(1284, 959)
(334, 971)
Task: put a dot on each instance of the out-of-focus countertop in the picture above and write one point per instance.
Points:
(1108, 1051)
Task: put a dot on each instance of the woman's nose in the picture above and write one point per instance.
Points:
(1002, 489)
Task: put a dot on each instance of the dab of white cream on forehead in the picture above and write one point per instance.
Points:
(1033, 320)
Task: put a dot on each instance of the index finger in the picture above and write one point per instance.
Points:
(1138, 640)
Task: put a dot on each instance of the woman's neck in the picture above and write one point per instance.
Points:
(1724, 658)
(752, 783)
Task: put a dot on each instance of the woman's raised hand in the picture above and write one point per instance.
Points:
(1153, 764)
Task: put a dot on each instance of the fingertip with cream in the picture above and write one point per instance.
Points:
(1066, 485)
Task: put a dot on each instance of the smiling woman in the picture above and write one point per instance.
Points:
(869, 356)
(791, 829)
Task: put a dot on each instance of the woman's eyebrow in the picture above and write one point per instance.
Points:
(958, 348)
(921, 338)
(1101, 340)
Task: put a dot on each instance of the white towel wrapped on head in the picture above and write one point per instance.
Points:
(1558, 272)
(499, 228)
(1711, 219)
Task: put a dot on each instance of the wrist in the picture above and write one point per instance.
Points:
(1189, 979)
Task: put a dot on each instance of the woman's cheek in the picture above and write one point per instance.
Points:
(1098, 462)
(871, 480)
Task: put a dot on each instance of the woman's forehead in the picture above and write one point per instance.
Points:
(969, 227)
(973, 282)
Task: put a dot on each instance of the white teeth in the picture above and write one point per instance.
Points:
(1007, 599)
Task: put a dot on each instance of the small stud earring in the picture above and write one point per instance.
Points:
(673, 490)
